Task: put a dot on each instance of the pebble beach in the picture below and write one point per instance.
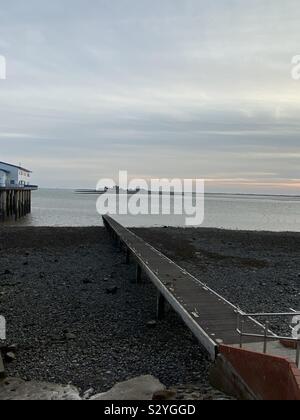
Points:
(76, 316)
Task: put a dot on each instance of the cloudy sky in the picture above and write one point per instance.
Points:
(162, 88)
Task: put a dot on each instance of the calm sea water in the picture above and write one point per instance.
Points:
(273, 213)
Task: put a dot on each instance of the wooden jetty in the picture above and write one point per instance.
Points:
(235, 341)
(15, 202)
(211, 318)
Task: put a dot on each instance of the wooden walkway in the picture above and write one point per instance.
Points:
(211, 318)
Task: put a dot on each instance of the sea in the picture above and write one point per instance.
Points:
(57, 207)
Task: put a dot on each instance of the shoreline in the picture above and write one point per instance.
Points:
(59, 208)
(21, 224)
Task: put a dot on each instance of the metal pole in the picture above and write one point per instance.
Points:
(238, 325)
(138, 274)
(298, 354)
(242, 332)
(160, 311)
(266, 336)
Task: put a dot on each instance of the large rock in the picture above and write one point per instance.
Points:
(142, 388)
(19, 390)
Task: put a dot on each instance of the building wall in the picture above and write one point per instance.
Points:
(16, 176)
(23, 177)
(12, 178)
(3, 178)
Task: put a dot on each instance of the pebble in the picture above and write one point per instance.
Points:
(112, 290)
(70, 336)
(10, 357)
(152, 324)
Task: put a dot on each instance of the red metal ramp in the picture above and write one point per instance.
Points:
(248, 374)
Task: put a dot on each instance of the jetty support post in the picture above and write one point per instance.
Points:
(2, 205)
(138, 274)
(15, 202)
(161, 306)
(127, 256)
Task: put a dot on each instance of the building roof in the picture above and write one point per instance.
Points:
(14, 166)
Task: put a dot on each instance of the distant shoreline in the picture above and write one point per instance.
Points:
(207, 193)
(57, 207)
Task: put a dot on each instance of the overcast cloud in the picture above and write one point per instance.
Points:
(168, 88)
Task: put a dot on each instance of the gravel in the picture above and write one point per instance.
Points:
(257, 271)
(75, 315)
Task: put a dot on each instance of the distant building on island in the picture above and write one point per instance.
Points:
(13, 176)
(15, 191)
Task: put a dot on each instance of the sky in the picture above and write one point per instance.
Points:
(160, 88)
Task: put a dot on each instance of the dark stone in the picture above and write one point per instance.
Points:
(87, 281)
(10, 357)
(112, 290)
(7, 272)
(70, 336)
(12, 348)
(151, 324)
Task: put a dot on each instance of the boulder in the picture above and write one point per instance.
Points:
(18, 390)
(137, 389)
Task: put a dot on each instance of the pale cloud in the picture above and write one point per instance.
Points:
(173, 88)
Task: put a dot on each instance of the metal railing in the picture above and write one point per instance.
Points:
(267, 335)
